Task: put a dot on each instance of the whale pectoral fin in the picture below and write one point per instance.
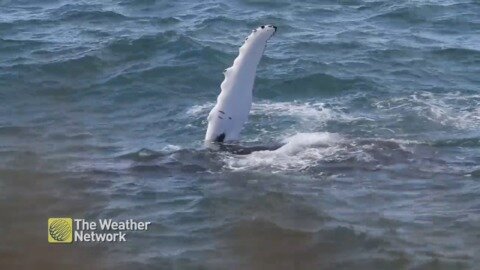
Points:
(234, 102)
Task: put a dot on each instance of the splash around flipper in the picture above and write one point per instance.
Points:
(226, 119)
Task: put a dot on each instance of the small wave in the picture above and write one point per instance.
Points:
(73, 67)
(223, 21)
(180, 56)
(459, 54)
(93, 16)
(14, 44)
(312, 85)
(146, 154)
(412, 12)
(165, 21)
(456, 109)
(137, 2)
(459, 142)
(148, 43)
(268, 3)
(17, 131)
(263, 238)
(71, 136)
(83, 12)
(149, 168)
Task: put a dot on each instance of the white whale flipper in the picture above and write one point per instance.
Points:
(226, 119)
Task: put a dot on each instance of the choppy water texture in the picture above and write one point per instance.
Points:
(103, 108)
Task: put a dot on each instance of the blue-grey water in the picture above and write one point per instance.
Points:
(103, 108)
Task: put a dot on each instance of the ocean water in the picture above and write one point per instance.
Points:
(103, 108)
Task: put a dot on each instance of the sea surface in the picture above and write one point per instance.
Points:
(103, 108)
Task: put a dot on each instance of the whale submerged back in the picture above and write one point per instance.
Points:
(226, 119)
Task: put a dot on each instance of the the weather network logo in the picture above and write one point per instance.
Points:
(68, 230)
(60, 230)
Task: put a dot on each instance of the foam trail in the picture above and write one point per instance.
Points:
(299, 151)
(226, 119)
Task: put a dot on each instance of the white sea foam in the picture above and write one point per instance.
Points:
(452, 109)
(304, 150)
(171, 148)
(304, 111)
(299, 152)
(202, 109)
(301, 141)
(294, 109)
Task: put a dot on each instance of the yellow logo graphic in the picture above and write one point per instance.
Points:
(60, 230)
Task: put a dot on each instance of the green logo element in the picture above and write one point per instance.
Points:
(60, 230)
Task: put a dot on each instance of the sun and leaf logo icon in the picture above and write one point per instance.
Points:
(60, 230)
